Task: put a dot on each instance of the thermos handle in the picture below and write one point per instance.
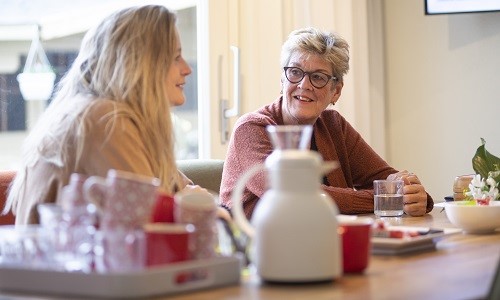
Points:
(328, 166)
(237, 210)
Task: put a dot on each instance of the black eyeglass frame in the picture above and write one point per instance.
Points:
(304, 73)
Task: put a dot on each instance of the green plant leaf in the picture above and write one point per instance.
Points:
(484, 162)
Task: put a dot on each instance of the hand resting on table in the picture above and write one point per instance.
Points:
(415, 196)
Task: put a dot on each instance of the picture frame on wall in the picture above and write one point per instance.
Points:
(437, 7)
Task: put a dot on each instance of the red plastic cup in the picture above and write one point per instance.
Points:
(167, 243)
(356, 234)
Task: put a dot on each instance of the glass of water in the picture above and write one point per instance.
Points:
(388, 197)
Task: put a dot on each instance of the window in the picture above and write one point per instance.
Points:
(63, 25)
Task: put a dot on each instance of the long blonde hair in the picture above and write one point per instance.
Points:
(125, 59)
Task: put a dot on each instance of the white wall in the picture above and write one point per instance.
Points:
(442, 91)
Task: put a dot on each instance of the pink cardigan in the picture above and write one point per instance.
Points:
(351, 185)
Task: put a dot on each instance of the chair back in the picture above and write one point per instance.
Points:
(206, 173)
(6, 178)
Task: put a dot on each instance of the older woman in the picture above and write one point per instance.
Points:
(112, 111)
(314, 64)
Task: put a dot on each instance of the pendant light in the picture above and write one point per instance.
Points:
(36, 82)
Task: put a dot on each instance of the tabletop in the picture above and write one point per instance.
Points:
(461, 267)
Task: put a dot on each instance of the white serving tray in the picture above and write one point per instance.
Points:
(171, 279)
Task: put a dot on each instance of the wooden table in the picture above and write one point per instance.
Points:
(462, 267)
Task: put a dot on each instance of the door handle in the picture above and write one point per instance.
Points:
(226, 112)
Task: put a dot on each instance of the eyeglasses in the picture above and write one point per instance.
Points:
(317, 79)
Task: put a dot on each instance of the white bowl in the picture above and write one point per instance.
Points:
(474, 218)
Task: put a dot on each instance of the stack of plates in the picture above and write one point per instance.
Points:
(426, 241)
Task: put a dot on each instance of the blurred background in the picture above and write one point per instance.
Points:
(422, 89)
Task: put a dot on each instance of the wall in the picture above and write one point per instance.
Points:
(442, 90)
(260, 44)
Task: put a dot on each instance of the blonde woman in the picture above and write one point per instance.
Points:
(111, 111)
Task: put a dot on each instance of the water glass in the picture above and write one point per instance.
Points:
(69, 236)
(120, 250)
(24, 247)
(388, 198)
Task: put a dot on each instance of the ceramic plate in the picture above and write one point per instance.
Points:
(381, 245)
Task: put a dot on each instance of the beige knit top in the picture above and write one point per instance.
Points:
(104, 147)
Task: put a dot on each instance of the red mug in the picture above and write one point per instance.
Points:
(356, 235)
(163, 209)
(167, 243)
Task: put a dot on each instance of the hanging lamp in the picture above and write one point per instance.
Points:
(36, 82)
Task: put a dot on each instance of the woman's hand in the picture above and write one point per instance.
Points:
(415, 196)
(195, 188)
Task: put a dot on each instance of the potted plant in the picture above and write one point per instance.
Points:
(484, 186)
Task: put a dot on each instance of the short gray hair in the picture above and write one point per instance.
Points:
(331, 46)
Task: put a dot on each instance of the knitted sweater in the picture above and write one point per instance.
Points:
(350, 185)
